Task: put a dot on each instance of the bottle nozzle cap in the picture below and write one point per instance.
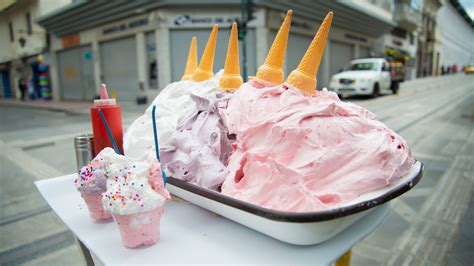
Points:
(104, 97)
(103, 92)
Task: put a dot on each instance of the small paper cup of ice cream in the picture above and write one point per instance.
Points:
(94, 204)
(136, 197)
(91, 182)
(140, 229)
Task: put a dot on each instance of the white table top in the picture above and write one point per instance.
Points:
(190, 234)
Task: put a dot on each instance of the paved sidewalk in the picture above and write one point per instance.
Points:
(70, 107)
(461, 253)
(432, 82)
(73, 107)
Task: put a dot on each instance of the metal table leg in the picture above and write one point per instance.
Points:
(85, 253)
(345, 260)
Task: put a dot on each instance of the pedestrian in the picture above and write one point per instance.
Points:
(31, 89)
(23, 88)
(443, 70)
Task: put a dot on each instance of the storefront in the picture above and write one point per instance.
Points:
(34, 70)
(341, 54)
(132, 56)
(147, 50)
(118, 63)
(76, 73)
(5, 88)
(185, 24)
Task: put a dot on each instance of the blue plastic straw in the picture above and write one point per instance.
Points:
(157, 147)
(108, 131)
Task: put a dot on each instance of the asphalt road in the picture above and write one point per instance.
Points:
(427, 226)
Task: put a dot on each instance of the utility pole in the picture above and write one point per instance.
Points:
(246, 14)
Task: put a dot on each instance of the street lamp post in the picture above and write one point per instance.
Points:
(246, 13)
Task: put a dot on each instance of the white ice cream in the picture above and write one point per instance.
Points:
(128, 187)
(172, 103)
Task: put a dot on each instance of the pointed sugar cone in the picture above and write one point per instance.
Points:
(204, 70)
(272, 69)
(191, 63)
(231, 79)
(304, 77)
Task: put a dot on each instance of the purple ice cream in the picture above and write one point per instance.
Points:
(199, 150)
(92, 177)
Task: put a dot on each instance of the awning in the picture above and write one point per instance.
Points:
(355, 15)
(83, 15)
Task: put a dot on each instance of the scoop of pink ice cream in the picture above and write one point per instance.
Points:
(155, 179)
(300, 153)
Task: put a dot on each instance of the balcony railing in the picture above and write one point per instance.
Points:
(406, 16)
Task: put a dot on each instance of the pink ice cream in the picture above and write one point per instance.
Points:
(300, 153)
(140, 229)
(155, 179)
(94, 204)
(136, 197)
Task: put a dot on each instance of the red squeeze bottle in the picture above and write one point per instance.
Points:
(113, 116)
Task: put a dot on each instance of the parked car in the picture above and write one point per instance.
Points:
(368, 76)
(469, 69)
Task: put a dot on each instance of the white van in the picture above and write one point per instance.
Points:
(368, 76)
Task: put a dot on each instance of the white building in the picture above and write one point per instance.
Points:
(143, 44)
(429, 41)
(22, 40)
(457, 34)
(400, 44)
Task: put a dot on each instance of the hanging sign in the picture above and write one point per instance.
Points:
(125, 26)
(203, 20)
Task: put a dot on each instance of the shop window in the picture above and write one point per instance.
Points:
(12, 36)
(29, 29)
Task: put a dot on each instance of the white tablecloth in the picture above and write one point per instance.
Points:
(190, 234)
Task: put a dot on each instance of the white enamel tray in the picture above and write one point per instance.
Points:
(307, 228)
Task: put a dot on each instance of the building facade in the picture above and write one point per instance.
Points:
(22, 46)
(137, 47)
(456, 31)
(400, 44)
(429, 43)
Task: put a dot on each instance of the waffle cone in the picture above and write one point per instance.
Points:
(204, 70)
(272, 69)
(231, 79)
(191, 63)
(304, 76)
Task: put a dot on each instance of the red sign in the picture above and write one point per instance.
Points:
(71, 40)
